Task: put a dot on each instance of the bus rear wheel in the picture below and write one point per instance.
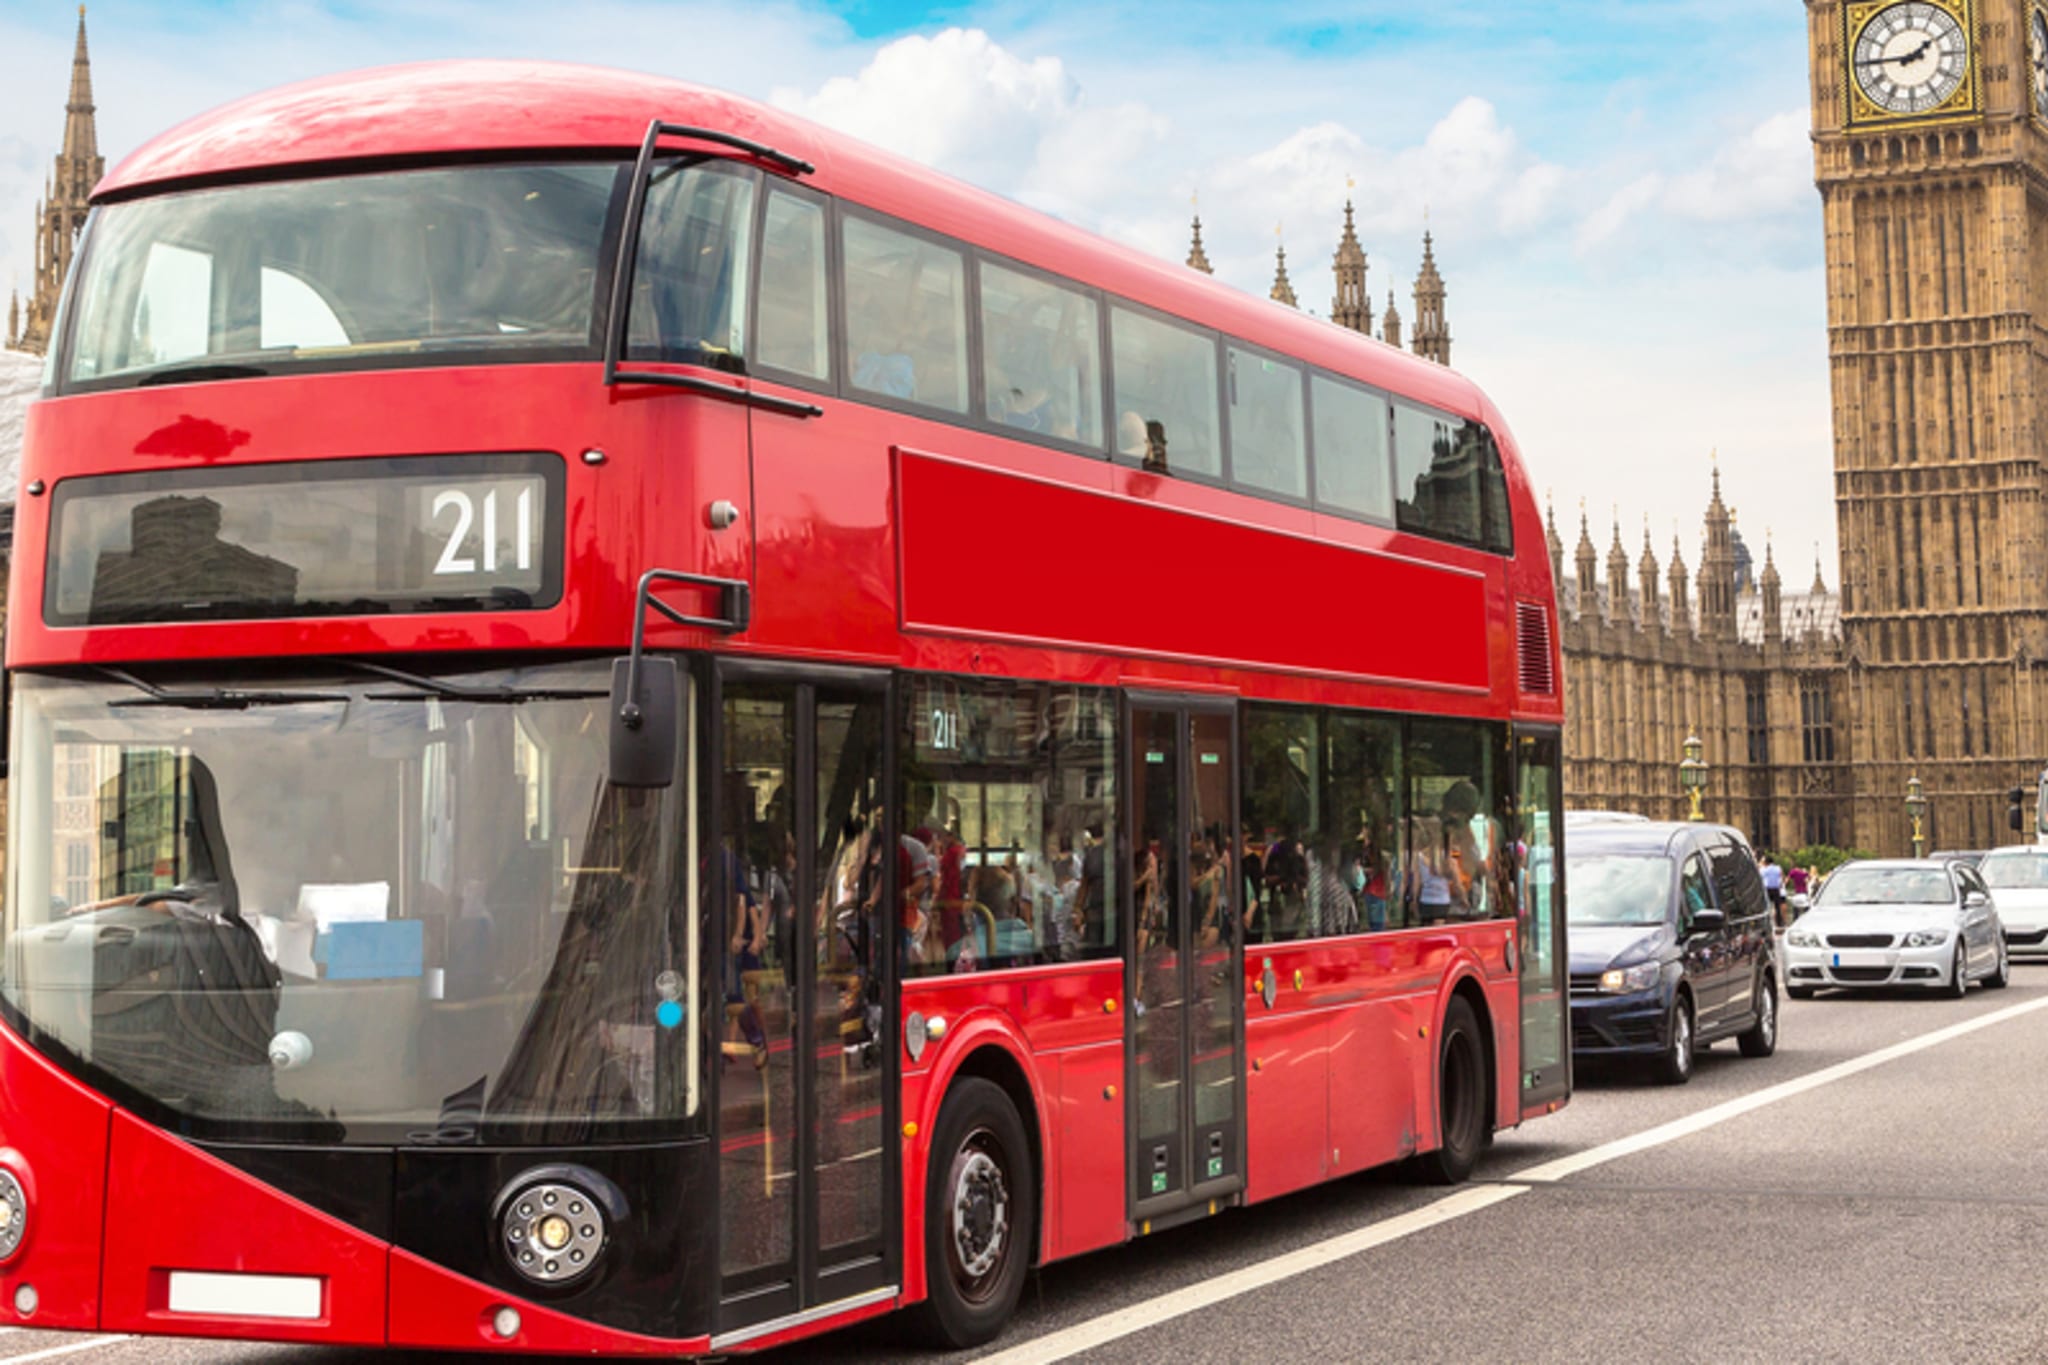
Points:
(978, 1219)
(1463, 1082)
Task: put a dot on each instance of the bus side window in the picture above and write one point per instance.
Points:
(791, 332)
(1352, 474)
(1166, 401)
(906, 316)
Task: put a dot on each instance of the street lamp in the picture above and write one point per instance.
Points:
(1692, 775)
(1916, 806)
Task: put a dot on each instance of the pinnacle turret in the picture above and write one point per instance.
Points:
(1198, 259)
(1390, 325)
(1351, 307)
(1647, 570)
(1432, 332)
(1283, 291)
(60, 216)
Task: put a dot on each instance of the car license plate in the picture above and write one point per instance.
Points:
(1863, 959)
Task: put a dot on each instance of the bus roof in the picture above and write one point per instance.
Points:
(433, 110)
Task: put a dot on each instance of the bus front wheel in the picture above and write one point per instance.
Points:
(978, 1216)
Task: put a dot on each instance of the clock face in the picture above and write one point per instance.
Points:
(1911, 57)
(2037, 59)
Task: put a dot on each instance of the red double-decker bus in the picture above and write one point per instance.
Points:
(639, 729)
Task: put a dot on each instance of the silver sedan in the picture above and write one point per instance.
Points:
(1898, 923)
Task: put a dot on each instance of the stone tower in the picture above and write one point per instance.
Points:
(1390, 325)
(1717, 571)
(1432, 333)
(1351, 307)
(62, 212)
(1930, 132)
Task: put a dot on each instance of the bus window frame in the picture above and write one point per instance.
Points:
(979, 418)
(1217, 367)
(970, 297)
(1306, 372)
(1321, 505)
(835, 340)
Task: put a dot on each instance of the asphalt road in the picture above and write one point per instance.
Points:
(1848, 1199)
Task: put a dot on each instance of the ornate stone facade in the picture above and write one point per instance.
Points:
(1935, 204)
(61, 214)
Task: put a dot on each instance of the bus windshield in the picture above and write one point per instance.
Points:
(348, 910)
(500, 262)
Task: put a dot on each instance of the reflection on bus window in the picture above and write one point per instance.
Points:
(689, 280)
(1008, 847)
(1321, 824)
(906, 317)
(792, 332)
(1449, 478)
(1266, 449)
(1165, 394)
(1041, 356)
(1464, 865)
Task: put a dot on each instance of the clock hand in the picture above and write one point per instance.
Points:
(1903, 59)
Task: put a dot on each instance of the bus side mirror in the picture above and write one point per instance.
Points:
(644, 712)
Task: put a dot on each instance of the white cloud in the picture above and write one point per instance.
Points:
(1768, 171)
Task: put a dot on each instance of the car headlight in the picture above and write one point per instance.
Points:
(1625, 980)
(1926, 938)
(1803, 938)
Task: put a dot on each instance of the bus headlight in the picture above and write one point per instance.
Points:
(13, 1214)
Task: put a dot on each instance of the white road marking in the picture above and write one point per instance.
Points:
(1564, 1166)
(1123, 1322)
(86, 1345)
(1139, 1316)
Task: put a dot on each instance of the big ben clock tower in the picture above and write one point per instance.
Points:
(1930, 124)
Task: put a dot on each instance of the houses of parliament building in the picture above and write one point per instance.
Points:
(1814, 707)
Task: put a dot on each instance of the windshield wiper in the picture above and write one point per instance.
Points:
(192, 374)
(212, 698)
(493, 693)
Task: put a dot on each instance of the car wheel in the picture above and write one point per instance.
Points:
(1761, 1040)
(1674, 1067)
(1958, 981)
(979, 1216)
(1463, 1083)
(2001, 975)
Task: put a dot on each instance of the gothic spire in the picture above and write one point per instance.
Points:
(1552, 541)
(1351, 307)
(1819, 584)
(1681, 607)
(1588, 565)
(1283, 292)
(81, 139)
(1390, 325)
(1774, 620)
(61, 214)
(1647, 570)
(1197, 258)
(1432, 333)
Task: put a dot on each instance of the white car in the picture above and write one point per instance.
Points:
(2018, 877)
(1897, 923)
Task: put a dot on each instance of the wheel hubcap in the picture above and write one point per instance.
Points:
(1681, 1041)
(981, 1213)
(1769, 1017)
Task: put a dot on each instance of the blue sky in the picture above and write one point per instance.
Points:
(1620, 191)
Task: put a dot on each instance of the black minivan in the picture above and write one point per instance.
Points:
(1671, 943)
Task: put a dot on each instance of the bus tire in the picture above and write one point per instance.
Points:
(1463, 1083)
(979, 1216)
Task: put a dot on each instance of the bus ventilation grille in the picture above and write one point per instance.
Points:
(1532, 644)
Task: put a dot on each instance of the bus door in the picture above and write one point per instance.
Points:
(1546, 1003)
(1186, 1027)
(803, 1074)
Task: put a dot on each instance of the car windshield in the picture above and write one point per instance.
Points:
(1617, 888)
(1887, 886)
(349, 910)
(2025, 868)
(475, 262)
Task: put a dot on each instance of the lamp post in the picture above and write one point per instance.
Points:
(1692, 776)
(1916, 807)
